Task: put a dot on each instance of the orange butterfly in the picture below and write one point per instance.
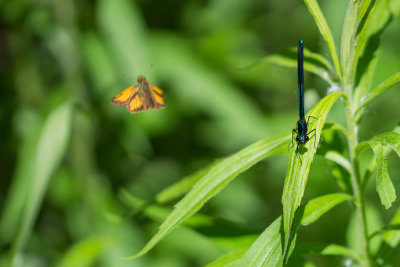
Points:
(140, 97)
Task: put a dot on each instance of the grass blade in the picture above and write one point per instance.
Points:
(214, 181)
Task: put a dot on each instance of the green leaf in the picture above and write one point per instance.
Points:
(354, 233)
(129, 43)
(326, 250)
(385, 229)
(381, 17)
(391, 139)
(85, 252)
(286, 60)
(228, 260)
(334, 156)
(214, 181)
(381, 88)
(50, 149)
(14, 203)
(391, 238)
(364, 16)
(267, 249)
(348, 31)
(183, 186)
(317, 207)
(200, 87)
(159, 213)
(325, 31)
(366, 70)
(297, 173)
(384, 185)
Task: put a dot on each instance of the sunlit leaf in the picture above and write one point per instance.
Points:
(291, 62)
(339, 159)
(214, 181)
(182, 186)
(316, 207)
(297, 173)
(364, 16)
(325, 31)
(384, 185)
(228, 260)
(348, 31)
(267, 249)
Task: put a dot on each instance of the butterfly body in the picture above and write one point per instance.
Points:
(140, 97)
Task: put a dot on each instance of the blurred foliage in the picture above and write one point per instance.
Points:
(78, 172)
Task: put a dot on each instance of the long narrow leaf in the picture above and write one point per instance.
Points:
(267, 250)
(327, 250)
(85, 252)
(214, 181)
(380, 19)
(317, 207)
(348, 31)
(50, 149)
(183, 186)
(291, 62)
(297, 173)
(334, 156)
(391, 82)
(325, 31)
(364, 17)
(228, 260)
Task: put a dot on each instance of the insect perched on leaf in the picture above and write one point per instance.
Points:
(302, 125)
(140, 97)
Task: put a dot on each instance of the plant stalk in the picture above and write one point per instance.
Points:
(358, 189)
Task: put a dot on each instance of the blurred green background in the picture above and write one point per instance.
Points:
(73, 157)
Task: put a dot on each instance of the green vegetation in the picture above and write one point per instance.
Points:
(85, 183)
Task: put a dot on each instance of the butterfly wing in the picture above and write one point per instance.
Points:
(137, 103)
(158, 97)
(123, 98)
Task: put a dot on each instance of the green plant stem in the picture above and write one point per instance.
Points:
(358, 189)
